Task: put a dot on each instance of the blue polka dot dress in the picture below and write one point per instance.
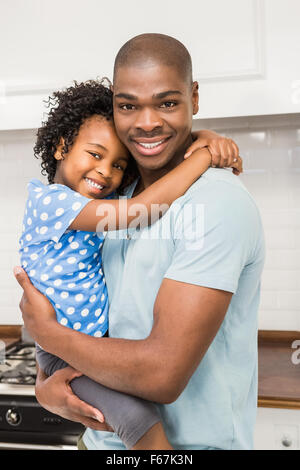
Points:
(65, 265)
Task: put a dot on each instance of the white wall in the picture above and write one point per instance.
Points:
(17, 167)
(270, 147)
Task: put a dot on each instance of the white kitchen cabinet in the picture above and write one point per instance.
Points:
(277, 429)
(245, 52)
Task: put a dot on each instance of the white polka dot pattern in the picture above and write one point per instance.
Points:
(64, 264)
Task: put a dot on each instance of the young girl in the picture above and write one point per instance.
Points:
(60, 246)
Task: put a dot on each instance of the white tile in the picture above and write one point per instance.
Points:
(256, 179)
(269, 300)
(284, 179)
(278, 320)
(295, 157)
(281, 218)
(6, 297)
(10, 316)
(281, 280)
(278, 259)
(280, 238)
(270, 159)
(289, 300)
(289, 138)
(6, 262)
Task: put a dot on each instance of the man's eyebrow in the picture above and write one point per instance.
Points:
(159, 96)
(126, 96)
(164, 94)
(98, 145)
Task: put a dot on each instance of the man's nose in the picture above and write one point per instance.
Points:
(148, 119)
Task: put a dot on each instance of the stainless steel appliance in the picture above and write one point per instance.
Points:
(24, 424)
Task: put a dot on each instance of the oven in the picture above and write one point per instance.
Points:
(24, 424)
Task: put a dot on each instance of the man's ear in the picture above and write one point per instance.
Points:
(195, 97)
(58, 153)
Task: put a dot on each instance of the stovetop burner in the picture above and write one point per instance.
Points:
(19, 366)
(23, 422)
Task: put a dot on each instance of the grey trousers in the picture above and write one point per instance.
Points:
(130, 417)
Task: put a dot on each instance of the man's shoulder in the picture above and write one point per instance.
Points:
(220, 199)
(216, 178)
(218, 187)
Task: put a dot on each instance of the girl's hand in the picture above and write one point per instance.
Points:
(224, 151)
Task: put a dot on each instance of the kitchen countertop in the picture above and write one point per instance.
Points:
(278, 376)
(10, 334)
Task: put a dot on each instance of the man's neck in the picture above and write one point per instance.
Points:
(148, 177)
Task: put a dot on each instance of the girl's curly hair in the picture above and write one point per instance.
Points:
(69, 109)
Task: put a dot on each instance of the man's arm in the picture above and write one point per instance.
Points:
(157, 368)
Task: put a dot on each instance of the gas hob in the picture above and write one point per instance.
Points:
(18, 370)
(24, 424)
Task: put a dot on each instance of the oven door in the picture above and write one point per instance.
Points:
(24, 424)
(24, 446)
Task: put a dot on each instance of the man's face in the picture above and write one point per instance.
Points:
(153, 109)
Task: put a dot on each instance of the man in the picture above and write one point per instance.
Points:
(183, 307)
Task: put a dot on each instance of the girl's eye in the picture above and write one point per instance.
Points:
(119, 167)
(168, 104)
(95, 155)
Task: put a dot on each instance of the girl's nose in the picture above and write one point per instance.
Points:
(104, 170)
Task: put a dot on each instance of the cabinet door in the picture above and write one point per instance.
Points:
(277, 429)
(245, 53)
(256, 64)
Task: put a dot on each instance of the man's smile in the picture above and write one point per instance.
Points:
(152, 146)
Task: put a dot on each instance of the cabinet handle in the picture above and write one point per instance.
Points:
(286, 441)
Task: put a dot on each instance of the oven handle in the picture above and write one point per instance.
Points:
(23, 446)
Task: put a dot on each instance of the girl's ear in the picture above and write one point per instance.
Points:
(58, 153)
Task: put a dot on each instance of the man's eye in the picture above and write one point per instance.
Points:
(127, 107)
(168, 104)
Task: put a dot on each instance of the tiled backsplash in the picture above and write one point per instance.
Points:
(270, 147)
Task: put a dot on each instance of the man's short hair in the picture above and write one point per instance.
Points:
(158, 48)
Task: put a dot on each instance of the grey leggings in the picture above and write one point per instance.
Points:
(130, 417)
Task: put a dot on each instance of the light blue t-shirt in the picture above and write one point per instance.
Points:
(212, 236)
(65, 265)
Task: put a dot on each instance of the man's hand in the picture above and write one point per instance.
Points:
(36, 309)
(224, 151)
(55, 395)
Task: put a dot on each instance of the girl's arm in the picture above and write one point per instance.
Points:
(115, 214)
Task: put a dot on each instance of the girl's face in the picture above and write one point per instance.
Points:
(95, 164)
